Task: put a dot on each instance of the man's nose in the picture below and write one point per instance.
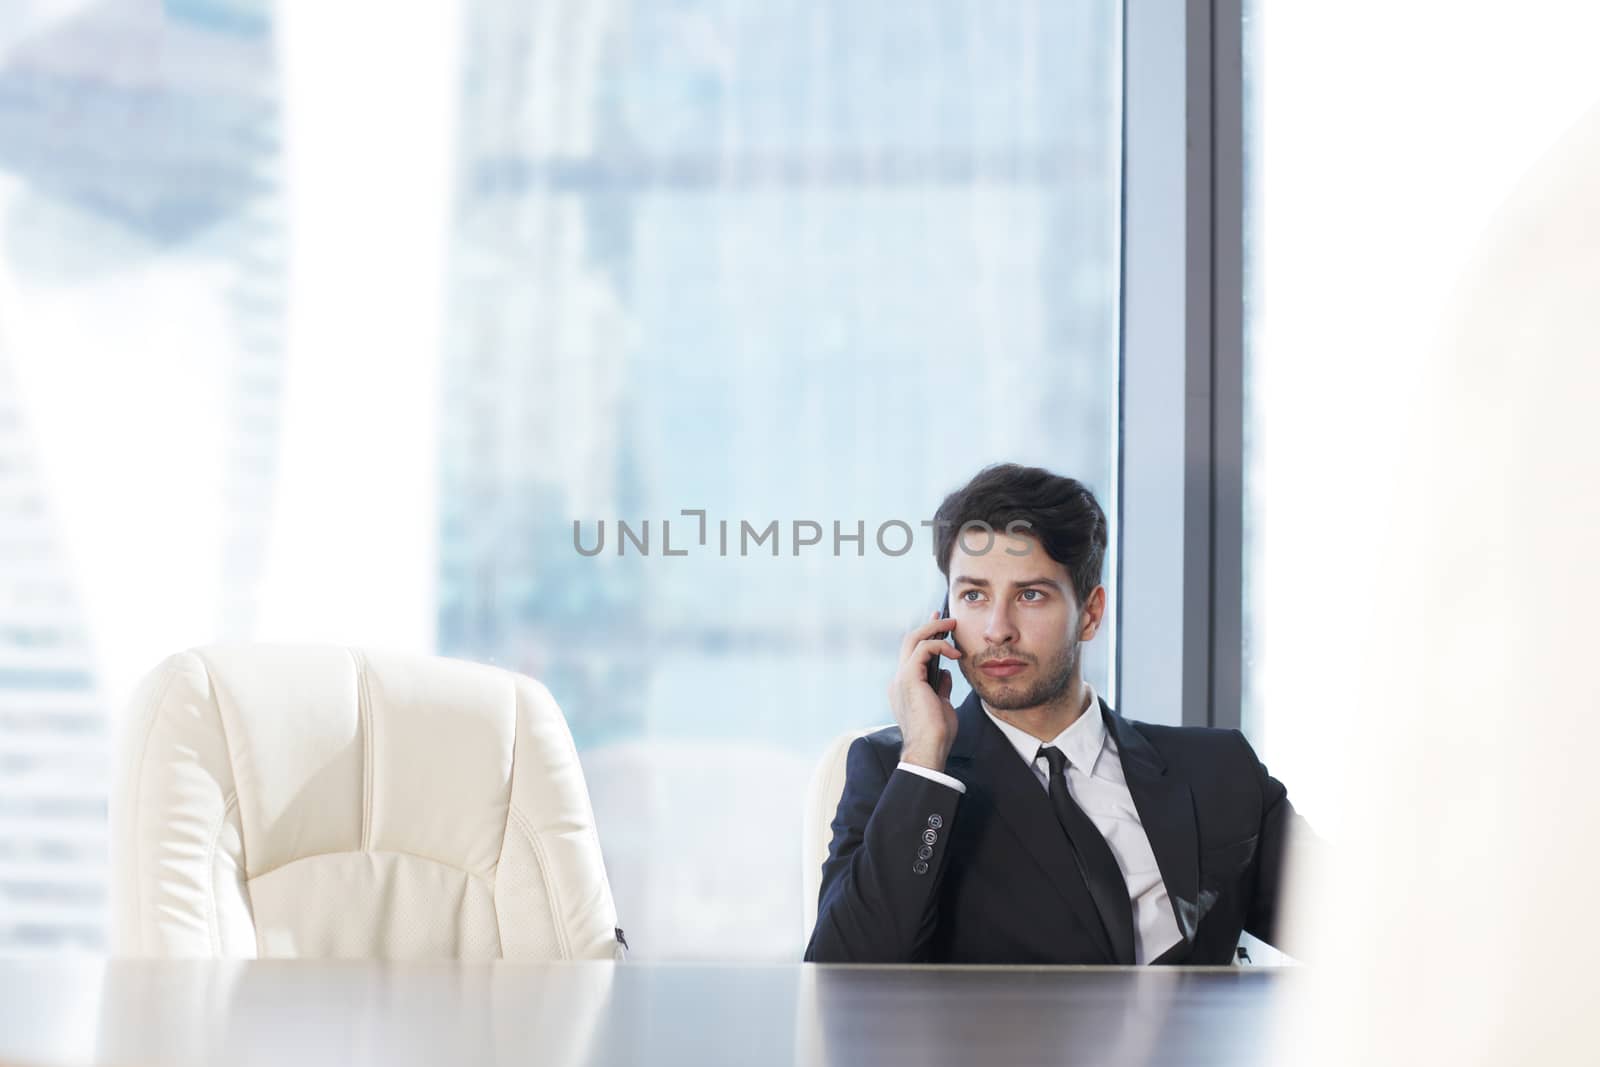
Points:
(998, 628)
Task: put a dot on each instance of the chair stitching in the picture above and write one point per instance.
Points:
(212, 926)
(227, 748)
(140, 900)
(505, 832)
(549, 887)
(373, 852)
(588, 809)
(364, 717)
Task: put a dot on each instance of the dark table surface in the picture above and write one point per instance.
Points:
(307, 1013)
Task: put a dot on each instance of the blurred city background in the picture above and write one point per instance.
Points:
(315, 327)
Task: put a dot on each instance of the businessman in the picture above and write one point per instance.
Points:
(1034, 824)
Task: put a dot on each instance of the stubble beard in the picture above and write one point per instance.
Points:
(1052, 682)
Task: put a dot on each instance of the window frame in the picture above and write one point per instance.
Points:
(1179, 555)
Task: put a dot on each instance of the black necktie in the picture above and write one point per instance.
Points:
(1099, 867)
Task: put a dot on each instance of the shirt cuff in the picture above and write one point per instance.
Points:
(933, 776)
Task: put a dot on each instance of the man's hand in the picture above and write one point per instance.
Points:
(927, 720)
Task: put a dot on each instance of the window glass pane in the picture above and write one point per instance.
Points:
(810, 264)
(797, 263)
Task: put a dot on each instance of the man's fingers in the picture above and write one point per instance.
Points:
(946, 684)
(932, 648)
(931, 628)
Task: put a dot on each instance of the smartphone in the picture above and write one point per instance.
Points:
(936, 664)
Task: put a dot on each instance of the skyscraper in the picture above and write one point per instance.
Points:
(146, 131)
(136, 137)
(52, 724)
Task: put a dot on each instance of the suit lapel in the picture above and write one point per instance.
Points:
(1166, 808)
(996, 777)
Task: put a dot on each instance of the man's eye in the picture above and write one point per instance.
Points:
(969, 595)
(1032, 593)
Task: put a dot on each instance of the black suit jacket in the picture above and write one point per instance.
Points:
(918, 872)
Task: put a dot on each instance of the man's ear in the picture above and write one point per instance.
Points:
(1094, 609)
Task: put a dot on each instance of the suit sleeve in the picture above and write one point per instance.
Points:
(880, 883)
(1285, 837)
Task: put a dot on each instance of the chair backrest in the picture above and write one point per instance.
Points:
(321, 801)
(822, 802)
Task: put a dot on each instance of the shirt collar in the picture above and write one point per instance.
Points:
(1082, 742)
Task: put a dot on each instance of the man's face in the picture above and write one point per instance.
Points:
(1017, 620)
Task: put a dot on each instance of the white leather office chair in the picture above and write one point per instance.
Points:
(319, 801)
(822, 801)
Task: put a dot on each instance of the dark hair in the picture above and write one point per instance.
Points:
(1060, 512)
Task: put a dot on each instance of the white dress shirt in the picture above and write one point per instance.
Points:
(1096, 782)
